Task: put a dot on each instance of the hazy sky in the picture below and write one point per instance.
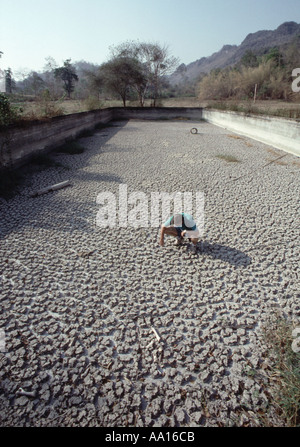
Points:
(32, 30)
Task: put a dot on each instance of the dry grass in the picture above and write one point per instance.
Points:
(42, 109)
(283, 109)
(236, 137)
(228, 158)
(284, 372)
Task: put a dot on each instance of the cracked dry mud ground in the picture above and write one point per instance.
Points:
(78, 302)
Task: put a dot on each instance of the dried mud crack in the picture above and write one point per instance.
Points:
(107, 328)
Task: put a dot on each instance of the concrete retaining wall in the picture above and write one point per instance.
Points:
(158, 113)
(277, 132)
(19, 143)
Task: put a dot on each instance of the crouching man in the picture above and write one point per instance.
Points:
(180, 226)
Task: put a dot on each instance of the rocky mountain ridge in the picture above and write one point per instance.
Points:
(258, 42)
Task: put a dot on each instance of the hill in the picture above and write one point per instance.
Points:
(259, 42)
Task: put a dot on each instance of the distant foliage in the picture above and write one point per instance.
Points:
(136, 71)
(270, 74)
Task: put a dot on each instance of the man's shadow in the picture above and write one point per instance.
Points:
(223, 252)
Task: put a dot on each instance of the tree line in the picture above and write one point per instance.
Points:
(138, 71)
(134, 71)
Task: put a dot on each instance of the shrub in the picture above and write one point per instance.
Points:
(8, 113)
(47, 108)
(228, 158)
(93, 103)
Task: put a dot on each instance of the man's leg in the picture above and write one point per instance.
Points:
(194, 242)
(171, 231)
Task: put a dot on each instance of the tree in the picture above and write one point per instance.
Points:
(153, 62)
(138, 80)
(86, 88)
(138, 75)
(68, 75)
(119, 75)
(158, 64)
(51, 82)
(95, 81)
(9, 82)
(34, 83)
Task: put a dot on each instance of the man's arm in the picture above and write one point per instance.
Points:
(162, 236)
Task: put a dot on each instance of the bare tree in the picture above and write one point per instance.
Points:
(158, 63)
(51, 82)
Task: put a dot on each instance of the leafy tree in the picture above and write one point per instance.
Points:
(119, 75)
(9, 82)
(68, 75)
(138, 80)
(153, 63)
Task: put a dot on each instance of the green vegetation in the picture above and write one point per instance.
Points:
(136, 74)
(135, 71)
(8, 113)
(267, 76)
(67, 74)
